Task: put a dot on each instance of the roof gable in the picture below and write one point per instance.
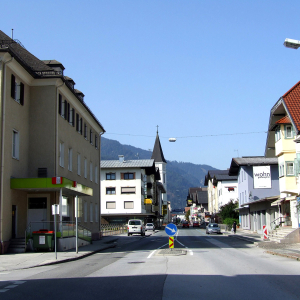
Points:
(292, 102)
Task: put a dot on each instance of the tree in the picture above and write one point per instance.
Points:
(228, 211)
(187, 215)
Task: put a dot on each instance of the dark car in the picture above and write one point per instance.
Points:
(213, 228)
(196, 224)
(185, 224)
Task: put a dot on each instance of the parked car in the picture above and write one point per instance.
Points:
(213, 228)
(149, 226)
(196, 224)
(135, 226)
(185, 224)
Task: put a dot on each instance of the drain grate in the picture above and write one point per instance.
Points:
(171, 252)
(136, 262)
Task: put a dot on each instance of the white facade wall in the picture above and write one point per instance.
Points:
(225, 192)
(118, 197)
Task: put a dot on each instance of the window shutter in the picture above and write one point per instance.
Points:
(22, 93)
(68, 112)
(13, 86)
(134, 175)
(73, 117)
(77, 122)
(81, 126)
(59, 103)
(122, 175)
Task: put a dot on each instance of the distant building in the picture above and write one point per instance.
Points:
(258, 188)
(221, 188)
(131, 189)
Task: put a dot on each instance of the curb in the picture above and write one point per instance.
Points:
(64, 260)
(248, 239)
(283, 255)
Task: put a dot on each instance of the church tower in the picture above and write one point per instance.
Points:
(160, 163)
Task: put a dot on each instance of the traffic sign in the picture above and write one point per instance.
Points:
(171, 242)
(171, 229)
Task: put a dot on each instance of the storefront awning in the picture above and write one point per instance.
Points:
(277, 202)
(69, 187)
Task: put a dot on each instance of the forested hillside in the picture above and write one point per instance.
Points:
(180, 175)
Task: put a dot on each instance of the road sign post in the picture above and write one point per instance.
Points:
(171, 230)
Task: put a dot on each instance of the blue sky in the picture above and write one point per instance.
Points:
(201, 70)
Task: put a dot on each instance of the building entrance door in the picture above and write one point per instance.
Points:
(37, 213)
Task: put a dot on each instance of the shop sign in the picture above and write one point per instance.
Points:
(262, 177)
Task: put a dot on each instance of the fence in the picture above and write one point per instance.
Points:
(112, 229)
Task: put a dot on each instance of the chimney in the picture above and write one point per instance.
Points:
(121, 158)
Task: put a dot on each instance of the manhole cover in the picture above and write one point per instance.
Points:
(175, 252)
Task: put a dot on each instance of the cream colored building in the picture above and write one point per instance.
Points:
(283, 129)
(50, 147)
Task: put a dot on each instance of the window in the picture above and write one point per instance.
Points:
(85, 211)
(128, 190)
(17, 90)
(78, 124)
(127, 175)
(70, 159)
(96, 142)
(289, 132)
(91, 136)
(91, 171)
(85, 131)
(281, 170)
(66, 110)
(61, 154)
(110, 176)
(128, 205)
(15, 144)
(65, 207)
(71, 116)
(78, 164)
(110, 191)
(91, 212)
(85, 168)
(111, 205)
(244, 175)
(96, 212)
(277, 134)
(96, 174)
(289, 168)
(246, 200)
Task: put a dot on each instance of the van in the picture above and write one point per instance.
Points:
(135, 226)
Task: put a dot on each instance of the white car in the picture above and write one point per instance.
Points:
(135, 226)
(150, 226)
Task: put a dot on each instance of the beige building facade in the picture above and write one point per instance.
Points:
(50, 147)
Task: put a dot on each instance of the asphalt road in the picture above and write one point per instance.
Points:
(200, 267)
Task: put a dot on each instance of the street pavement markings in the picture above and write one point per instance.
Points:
(15, 284)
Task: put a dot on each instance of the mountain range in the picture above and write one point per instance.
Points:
(180, 175)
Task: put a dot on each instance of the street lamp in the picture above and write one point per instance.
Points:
(289, 43)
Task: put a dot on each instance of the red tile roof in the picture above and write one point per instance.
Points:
(292, 101)
(284, 120)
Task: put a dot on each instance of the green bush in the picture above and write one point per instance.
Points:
(229, 222)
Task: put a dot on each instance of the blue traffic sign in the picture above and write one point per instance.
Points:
(171, 229)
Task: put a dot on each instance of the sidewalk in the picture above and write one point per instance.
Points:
(17, 261)
(285, 250)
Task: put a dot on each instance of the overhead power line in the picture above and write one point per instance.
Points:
(189, 136)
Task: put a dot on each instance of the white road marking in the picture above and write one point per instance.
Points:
(3, 290)
(151, 254)
(156, 249)
(10, 286)
(191, 252)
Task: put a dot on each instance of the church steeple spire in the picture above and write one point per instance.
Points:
(157, 153)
